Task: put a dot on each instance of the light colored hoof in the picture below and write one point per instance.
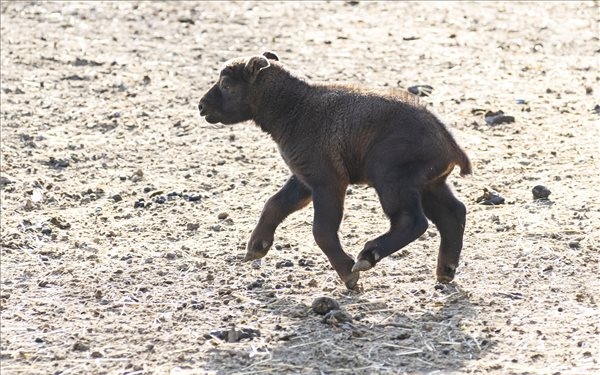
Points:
(362, 265)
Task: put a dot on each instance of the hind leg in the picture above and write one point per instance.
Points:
(400, 198)
(448, 214)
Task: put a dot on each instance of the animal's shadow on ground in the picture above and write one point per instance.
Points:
(379, 339)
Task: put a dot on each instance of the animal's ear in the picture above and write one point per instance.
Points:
(271, 55)
(254, 65)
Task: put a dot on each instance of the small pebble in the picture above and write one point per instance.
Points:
(80, 347)
(192, 226)
(334, 317)
(497, 118)
(194, 197)
(284, 263)
(420, 90)
(540, 192)
(139, 203)
(223, 216)
(117, 198)
(160, 199)
(490, 198)
(323, 305)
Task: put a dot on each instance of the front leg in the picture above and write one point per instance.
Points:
(328, 202)
(293, 196)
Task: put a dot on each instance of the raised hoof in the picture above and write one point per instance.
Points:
(362, 265)
(352, 280)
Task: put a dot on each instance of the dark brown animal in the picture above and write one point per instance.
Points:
(331, 136)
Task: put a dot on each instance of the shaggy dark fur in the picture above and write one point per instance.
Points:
(331, 136)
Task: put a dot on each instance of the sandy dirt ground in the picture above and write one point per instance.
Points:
(125, 216)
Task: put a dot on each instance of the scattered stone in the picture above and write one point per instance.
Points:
(96, 354)
(255, 284)
(323, 305)
(521, 101)
(284, 263)
(597, 109)
(216, 228)
(303, 262)
(540, 192)
(60, 223)
(80, 346)
(313, 283)
(160, 199)
(140, 203)
(256, 263)
(186, 20)
(75, 77)
(574, 244)
(172, 195)
(171, 256)
(123, 178)
(5, 181)
(193, 197)
(234, 335)
(335, 317)
(223, 216)
(137, 176)
(420, 90)
(192, 226)
(39, 340)
(117, 198)
(85, 62)
(497, 118)
(490, 198)
(57, 163)
(42, 283)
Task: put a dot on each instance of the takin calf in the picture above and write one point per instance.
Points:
(331, 136)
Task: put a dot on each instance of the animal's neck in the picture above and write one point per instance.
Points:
(279, 103)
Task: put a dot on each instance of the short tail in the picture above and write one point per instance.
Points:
(463, 162)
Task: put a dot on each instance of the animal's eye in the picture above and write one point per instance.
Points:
(225, 85)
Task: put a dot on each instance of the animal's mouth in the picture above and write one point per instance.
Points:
(204, 113)
(209, 119)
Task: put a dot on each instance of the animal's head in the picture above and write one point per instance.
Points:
(229, 100)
